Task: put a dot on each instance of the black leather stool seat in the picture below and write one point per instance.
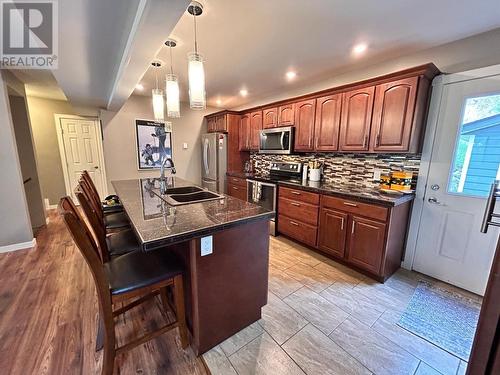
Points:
(112, 209)
(122, 242)
(140, 269)
(116, 220)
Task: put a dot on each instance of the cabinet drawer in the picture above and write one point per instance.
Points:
(358, 208)
(237, 181)
(304, 212)
(237, 191)
(299, 195)
(298, 230)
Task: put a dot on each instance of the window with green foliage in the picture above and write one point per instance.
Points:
(476, 159)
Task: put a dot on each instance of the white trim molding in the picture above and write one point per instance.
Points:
(19, 246)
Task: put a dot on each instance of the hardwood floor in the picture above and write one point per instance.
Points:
(48, 316)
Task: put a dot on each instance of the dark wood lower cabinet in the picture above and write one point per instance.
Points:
(332, 232)
(366, 243)
(237, 191)
(369, 237)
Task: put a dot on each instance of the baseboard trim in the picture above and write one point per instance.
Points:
(18, 246)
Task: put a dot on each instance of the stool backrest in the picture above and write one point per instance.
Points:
(94, 221)
(96, 203)
(85, 242)
(90, 183)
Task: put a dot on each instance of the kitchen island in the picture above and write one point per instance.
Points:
(224, 246)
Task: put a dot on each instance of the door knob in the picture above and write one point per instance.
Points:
(435, 187)
(96, 167)
(433, 200)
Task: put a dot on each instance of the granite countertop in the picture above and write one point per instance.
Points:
(158, 224)
(353, 191)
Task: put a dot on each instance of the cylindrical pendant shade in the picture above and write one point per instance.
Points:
(158, 105)
(196, 73)
(172, 92)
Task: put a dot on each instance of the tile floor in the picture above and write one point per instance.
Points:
(324, 318)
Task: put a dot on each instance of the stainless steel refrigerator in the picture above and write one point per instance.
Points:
(214, 161)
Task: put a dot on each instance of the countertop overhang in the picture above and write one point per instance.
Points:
(158, 224)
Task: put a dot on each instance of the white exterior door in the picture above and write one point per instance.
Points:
(465, 161)
(81, 152)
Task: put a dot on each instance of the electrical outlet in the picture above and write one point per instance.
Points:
(185, 146)
(376, 174)
(206, 245)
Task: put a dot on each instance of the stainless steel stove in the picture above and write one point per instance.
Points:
(264, 193)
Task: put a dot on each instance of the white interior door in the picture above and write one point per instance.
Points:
(80, 143)
(465, 161)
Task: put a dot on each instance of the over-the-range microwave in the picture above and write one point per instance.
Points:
(276, 140)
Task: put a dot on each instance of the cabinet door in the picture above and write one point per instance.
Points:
(211, 124)
(237, 191)
(221, 124)
(304, 125)
(366, 243)
(327, 123)
(332, 232)
(244, 136)
(286, 115)
(270, 118)
(393, 115)
(356, 119)
(255, 128)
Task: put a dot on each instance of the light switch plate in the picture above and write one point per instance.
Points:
(185, 146)
(376, 174)
(206, 245)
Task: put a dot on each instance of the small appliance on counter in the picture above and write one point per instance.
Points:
(264, 193)
(396, 182)
(248, 167)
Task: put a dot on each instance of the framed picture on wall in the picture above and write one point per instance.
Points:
(154, 144)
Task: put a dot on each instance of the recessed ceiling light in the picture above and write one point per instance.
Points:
(219, 102)
(243, 92)
(291, 75)
(139, 87)
(359, 48)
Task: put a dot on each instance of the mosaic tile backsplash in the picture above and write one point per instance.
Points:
(346, 168)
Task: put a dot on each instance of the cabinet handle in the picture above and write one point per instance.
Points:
(294, 223)
(342, 224)
(353, 226)
(295, 204)
(350, 204)
(295, 192)
(377, 140)
(365, 141)
(235, 188)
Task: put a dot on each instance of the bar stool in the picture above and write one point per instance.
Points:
(132, 275)
(111, 221)
(111, 245)
(106, 208)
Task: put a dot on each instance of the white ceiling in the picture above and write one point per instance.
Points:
(252, 44)
(40, 83)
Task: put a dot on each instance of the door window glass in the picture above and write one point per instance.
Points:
(476, 159)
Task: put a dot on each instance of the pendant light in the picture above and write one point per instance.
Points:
(158, 102)
(196, 72)
(172, 86)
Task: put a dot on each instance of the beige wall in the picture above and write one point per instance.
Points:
(15, 227)
(469, 53)
(120, 154)
(27, 159)
(50, 171)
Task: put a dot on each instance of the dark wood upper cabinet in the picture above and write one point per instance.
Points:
(304, 125)
(366, 243)
(327, 123)
(286, 115)
(244, 136)
(357, 107)
(393, 112)
(255, 128)
(211, 124)
(270, 118)
(221, 124)
(332, 232)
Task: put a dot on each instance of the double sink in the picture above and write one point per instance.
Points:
(177, 196)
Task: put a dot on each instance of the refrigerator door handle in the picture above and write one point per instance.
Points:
(205, 156)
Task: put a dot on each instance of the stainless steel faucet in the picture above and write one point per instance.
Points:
(164, 167)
